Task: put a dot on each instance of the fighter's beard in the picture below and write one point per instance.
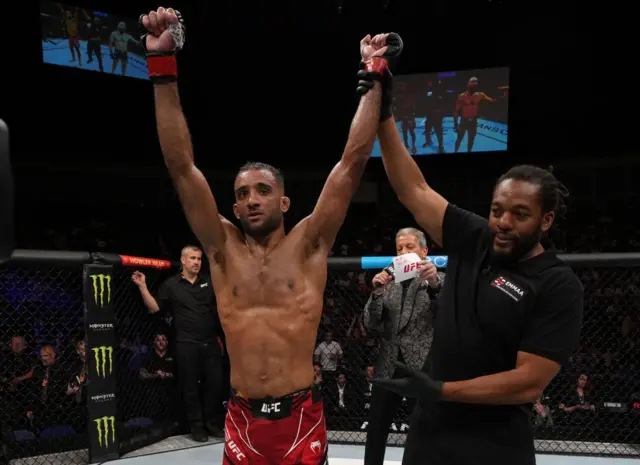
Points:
(262, 231)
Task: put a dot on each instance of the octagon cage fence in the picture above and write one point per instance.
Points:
(75, 335)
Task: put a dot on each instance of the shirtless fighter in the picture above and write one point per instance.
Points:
(71, 20)
(269, 286)
(119, 47)
(469, 103)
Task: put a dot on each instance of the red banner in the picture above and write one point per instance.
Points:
(145, 262)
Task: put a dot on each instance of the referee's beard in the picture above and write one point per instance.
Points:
(521, 247)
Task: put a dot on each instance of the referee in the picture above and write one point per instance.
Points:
(509, 316)
(189, 297)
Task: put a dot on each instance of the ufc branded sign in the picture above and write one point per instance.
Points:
(411, 267)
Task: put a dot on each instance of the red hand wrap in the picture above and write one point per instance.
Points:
(376, 65)
(162, 66)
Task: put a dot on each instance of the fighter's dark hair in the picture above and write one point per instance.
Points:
(255, 165)
(553, 193)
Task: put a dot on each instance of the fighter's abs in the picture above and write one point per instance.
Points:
(269, 308)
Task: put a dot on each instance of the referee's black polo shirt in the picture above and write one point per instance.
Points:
(192, 306)
(488, 313)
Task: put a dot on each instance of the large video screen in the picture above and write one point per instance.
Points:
(91, 40)
(449, 112)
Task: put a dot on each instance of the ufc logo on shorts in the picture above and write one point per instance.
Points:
(271, 408)
(236, 450)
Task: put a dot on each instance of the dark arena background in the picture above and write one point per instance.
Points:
(275, 82)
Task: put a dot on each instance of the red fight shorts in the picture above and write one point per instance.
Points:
(73, 41)
(290, 430)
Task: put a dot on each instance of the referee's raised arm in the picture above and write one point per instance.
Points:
(426, 205)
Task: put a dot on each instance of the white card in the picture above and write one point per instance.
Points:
(406, 267)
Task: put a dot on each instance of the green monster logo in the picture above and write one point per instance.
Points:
(101, 354)
(101, 282)
(104, 425)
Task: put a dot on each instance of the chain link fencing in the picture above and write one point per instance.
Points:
(45, 359)
(42, 402)
(43, 367)
(148, 405)
(602, 421)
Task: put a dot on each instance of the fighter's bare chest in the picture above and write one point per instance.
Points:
(470, 100)
(265, 281)
(268, 279)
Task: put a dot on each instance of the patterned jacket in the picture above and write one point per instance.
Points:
(404, 326)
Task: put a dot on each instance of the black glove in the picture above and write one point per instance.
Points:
(413, 384)
(377, 68)
(365, 83)
(162, 65)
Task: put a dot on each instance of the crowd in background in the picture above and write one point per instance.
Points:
(604, 369)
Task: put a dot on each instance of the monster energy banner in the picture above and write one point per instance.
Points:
(101, 376)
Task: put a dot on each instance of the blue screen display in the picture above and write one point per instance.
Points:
(79, 38)
(454, 111)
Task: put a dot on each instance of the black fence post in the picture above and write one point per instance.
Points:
(101, 347)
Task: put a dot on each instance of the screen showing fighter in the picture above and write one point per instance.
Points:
(80, 38)
(449, 112)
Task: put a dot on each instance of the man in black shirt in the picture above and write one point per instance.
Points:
(94, 39)
(16, 385)
(51, 404)
(159, 370)
(189, 297)
(158, 364)
(510, 315)
(17, 366)
(434, 113)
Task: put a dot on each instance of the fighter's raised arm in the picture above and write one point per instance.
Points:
(330, 211)
(426, 205)
(486, 98)
(163, 36)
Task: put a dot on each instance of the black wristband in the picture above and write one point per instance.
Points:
(386, 103)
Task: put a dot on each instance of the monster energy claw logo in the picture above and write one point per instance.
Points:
(101, 354)
(101, 286)
(106, 425)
